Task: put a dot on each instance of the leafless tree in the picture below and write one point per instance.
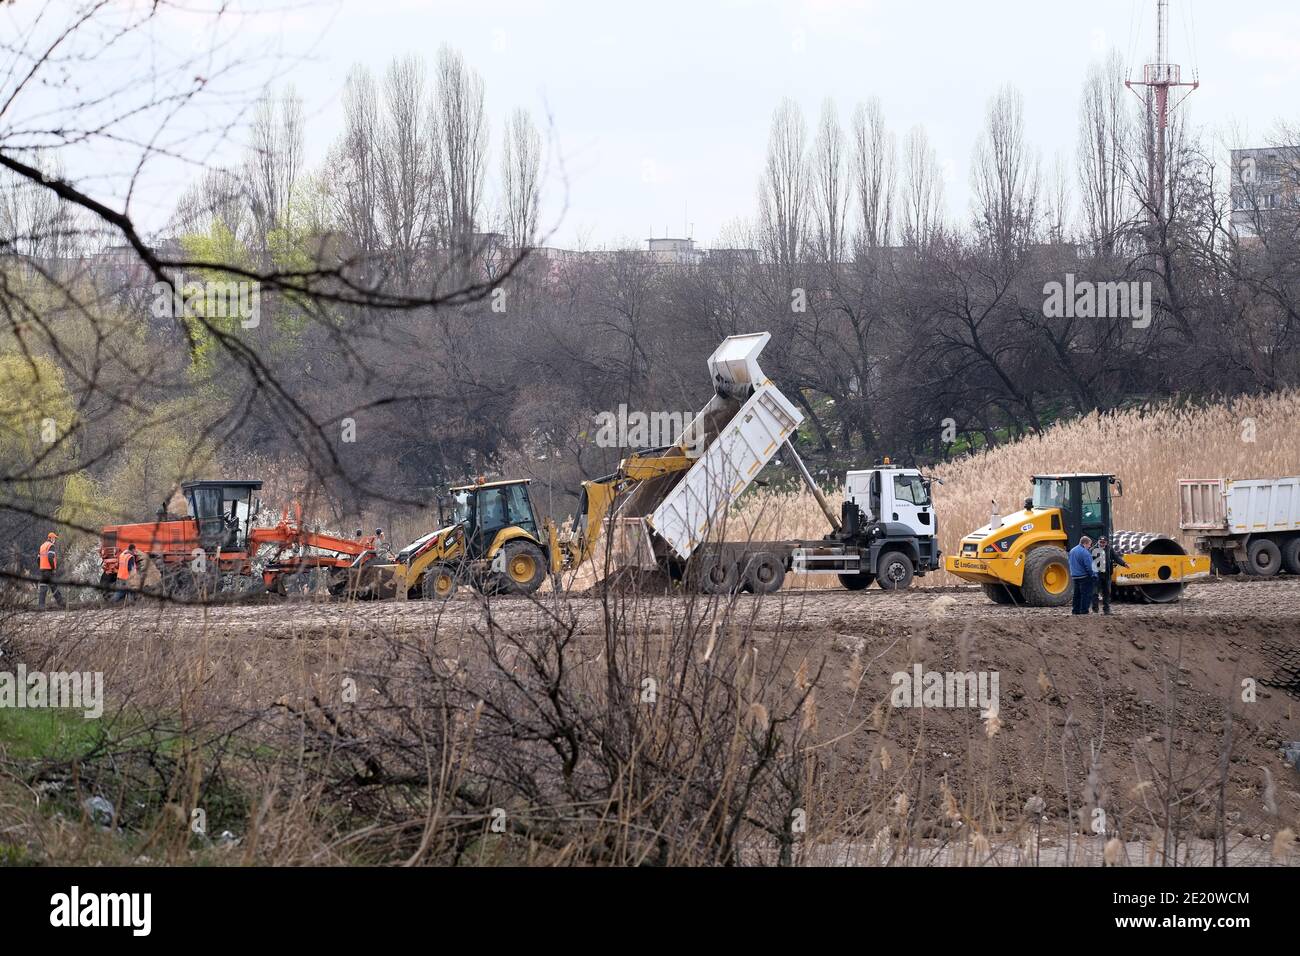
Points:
(1105, 139)
(276, 160)
(461, 138)
(784, 191)
(875, 170)
(829, 188)
(1005, 176)
(219, 197)
(1059, 200)
(521, 162)
(923, 202)
(405, 177)
(353, 168)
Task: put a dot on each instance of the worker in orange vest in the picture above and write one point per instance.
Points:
(126, 563)
(49, 564)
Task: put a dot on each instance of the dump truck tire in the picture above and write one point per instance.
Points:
(1047, 578)
(525, 569)
(1003, 593)
(894, 571)
(1263, 558)
(764, 573)
(1291, 555)
(438, 583)
(857, 582)
(717, 575)
(1222, 562)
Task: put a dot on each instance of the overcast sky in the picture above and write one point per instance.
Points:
(660, 110)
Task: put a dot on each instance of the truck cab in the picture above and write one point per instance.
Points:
(887, 533)
(897, 497)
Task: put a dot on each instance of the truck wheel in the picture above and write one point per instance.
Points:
(718, 575)
(857, 582)
(1222, 562)
(1047, 578)
(438, 583)
(894, 571)
(525, 568)
(1291, 555)
(1003, 593)
(764, 573)
(1263, 558)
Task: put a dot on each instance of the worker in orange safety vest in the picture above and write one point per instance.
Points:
(127, 562)
(49, 557)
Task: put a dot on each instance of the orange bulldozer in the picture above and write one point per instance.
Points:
(214, 550)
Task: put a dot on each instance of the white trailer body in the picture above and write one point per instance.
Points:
(698, 502)
(1251, 523)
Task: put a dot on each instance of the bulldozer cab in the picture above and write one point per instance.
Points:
(224, 512)
(1083, 500)
(486, 508)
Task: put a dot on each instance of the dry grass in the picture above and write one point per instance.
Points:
(1148, 448)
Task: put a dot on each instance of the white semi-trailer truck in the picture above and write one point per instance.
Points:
(1248, 525)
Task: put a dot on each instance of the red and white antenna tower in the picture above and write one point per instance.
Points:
(1158, 79)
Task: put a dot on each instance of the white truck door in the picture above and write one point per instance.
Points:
(905, 501)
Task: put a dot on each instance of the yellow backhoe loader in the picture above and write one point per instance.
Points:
(491, 537)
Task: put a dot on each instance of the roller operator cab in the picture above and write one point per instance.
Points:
(1023, 558)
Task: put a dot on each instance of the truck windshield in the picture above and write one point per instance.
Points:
(911, 490)
(1051, 493)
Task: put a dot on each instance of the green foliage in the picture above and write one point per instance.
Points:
(46, 733)
(38, 450)
(165, 449)
(220, 246)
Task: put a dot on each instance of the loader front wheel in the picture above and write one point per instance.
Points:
(438, 583)
(525, 568)
(1047, 578)
(857, 582)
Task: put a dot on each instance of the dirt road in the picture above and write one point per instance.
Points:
(1229, 603)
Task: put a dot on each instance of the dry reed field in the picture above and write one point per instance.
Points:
(1149, 448)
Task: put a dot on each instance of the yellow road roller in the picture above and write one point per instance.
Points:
(1022, 558)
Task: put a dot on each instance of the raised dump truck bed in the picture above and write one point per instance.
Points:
(740, 441)
(884, 533)
(1249, 525)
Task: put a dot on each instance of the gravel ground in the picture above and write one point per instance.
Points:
(812, 610)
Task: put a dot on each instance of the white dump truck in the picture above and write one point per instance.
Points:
(672, 503)
(1248, 525)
